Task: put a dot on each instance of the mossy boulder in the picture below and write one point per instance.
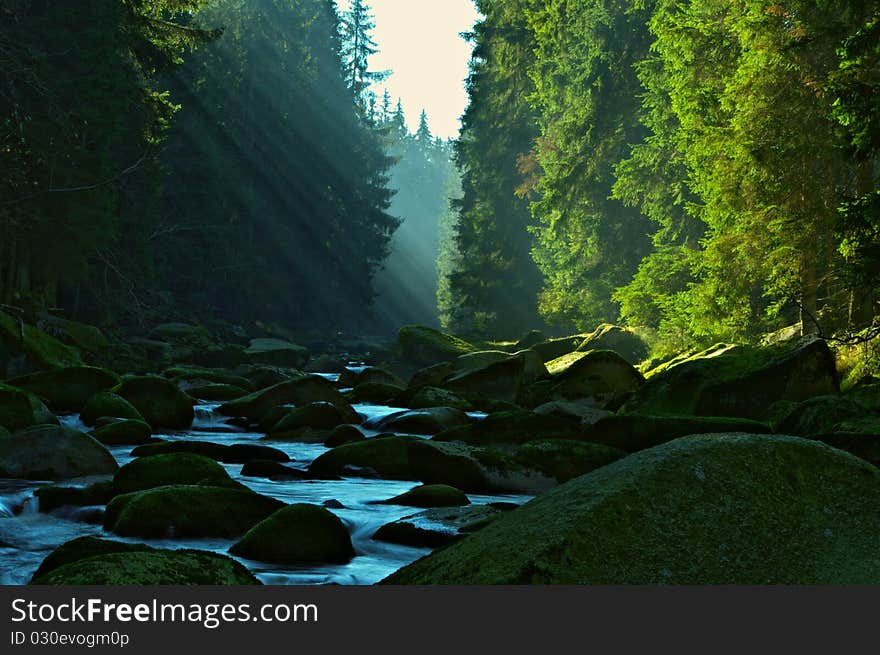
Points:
(124, 432)
(81, 335)
(25, 349)
(82, 548)
(297, 535)
(187, 511)
(554, 348)
(623, 341)
(423, 346)
(514, 427)
(51, 452)
(370, 374)
(632, 432)
(598, 374)
(298, 391)
(108, 404)
(710, 509)
(343, 434)
(501, 379)
(405, 533)
(741, 381)
(158, 567)
(426, 397)
(67, 389)
(326, 363)
(478, 360)
(276, 352)
(53, 496)
(583, 413)
(213, 375)
(273, 470)
(565, 460)
(430, 420)
(21, 409)
(431, 495)
(821, 415)
(388, 456)
(376, 393)
(320, 415)
(228, 454)
(437, 527)
(215, 392)
(173, 468)
(432, 376)
(160, 401)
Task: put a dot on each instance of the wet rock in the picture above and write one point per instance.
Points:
(171, 469)
(228, 454)
(107, 404)
(423, 346)
(67, 389)
(21, 409)
(369, 375)
(160, 402)
(297, 391)
(276, 352)
(344, 434)
(126, 431)
(623, 341)
(272, 470)
(514, 427)
(51, 452)
(431, 495)
(430, 420)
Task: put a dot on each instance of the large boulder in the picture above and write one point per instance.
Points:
(298, 391)
(320, 415)
(709, 509)
(187, 511)
(51, 452)
(198, 374)
(159, 567)
(124, 432)
(554, 348)
(738, 381)
(432, 376)
(513, 427)
(564, 460)
(82, 548)
(25, 349)
(388, 456)
(20, 409)
(67, 389)
(423, 346)
(430, 420)
(276, 352)
(106, 404)
(172, 469)
(822, 415)
(375, 393)
(600, 375)
(430, 495)
(214, 392)
(297, 535)
(370, 374)
(632, 432)
(435, 397)
(160, 402)
(623, 341)
(497, 379)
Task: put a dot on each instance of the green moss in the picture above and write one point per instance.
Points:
(230, 454)
(110, 405)
(41, 350)
(51, 452)
(299, 534)
(624, 341)
(298, 391)
(276, 352)
(84, 336)
(554, 348)
(67, 389)
(162, 403)
(165, 567)
(216, 392)
(431, 495)
(213, 375)
(562, 364)
(713, 509)
(171, 469)
(565, 460)
(389, 456)
(84, 548)
(421, 345)
(21, 409)
(320, 415)
(513, 427)
(435, 397)
(187, 511)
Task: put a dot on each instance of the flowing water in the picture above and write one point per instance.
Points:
(28, 535)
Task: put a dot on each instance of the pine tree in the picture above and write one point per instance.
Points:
(358, 45)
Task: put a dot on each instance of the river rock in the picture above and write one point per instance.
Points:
(276, 352)
(501, 379)
(198, 374)
(25, 349)
(124, 432)
(376, 393)
(215, 392)
(426, 397)
(82, 548)
(297, 535)
(738, 381)
(437, 527)
(320, 415)
(430, 420)
(513, 427)
(54, 496)
(422, 346)
(67, 389)
(343, 434)
(582, 412)
(298, 391)
(187, 511)
(228, 454)
(370, 374)
(710, 509)
(153, 567)
(431, 495)
(108, 404)
(327, 364)
(21, 409)
(160, 402)
(432, 376)
(51, 452)
(623, 341)
(554, 348)
(598, 375)
(632, 432)
(821, 415)
(564, 460)
(171, 469)
(272, 470)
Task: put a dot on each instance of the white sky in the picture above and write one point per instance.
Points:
(418, 40)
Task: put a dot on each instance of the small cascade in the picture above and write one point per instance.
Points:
(208, 419)
(73, 421)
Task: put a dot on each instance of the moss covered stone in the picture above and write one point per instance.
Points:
(215, 392)
(388, 456)
(436, 397)
(212, 375)
(499, 379)
(67, 389)
(53, 497)
(153, 567)
(83, 548)
(514, 427)
(370, 374)
(597, 374)
(228, 454)
(343, 434)
(187, 511)
(377, 393)
(554, 348)
(632, 432)
(321, 415)
(429, 420)
(298, 391)
(108, 404)
(276, 352)
(738, 381)
(51, 452)
(266, 468)
(565, 460)
(24, 349)
(437, 527)
(299, 534)
(821, 415)
(21, 409)
(161, 402)
(423, 346)
(431, 495)
(124, 432)
(432, 376)
(710, 509)
(175, 468)
(623, 341)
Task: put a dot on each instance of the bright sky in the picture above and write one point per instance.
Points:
(418, 40)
